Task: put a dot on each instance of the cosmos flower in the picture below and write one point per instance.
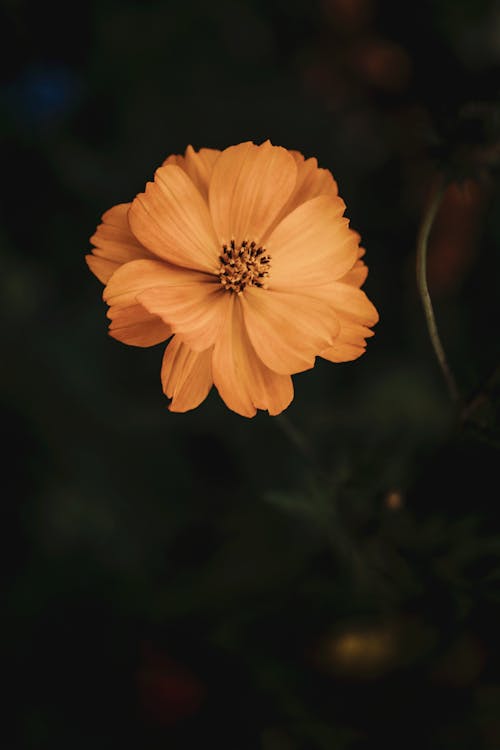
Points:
(243, 258)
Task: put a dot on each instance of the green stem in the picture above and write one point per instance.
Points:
(422, 246)
(296, 437)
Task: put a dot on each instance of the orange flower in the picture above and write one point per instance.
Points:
(243, 257)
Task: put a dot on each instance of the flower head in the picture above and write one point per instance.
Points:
(243, 258)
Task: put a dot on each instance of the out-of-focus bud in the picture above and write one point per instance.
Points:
(368, 651)
(382, 63)
(454, 242)
(168, 691)
(394, 500)
(348, 14)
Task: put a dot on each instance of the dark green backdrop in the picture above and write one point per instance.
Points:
(184, 581)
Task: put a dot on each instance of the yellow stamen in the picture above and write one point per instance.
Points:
(245, 265)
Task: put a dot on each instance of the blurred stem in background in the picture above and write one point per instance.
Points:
(319, 505)
(298, 439)
(430, 213)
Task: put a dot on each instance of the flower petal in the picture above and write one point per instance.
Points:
(349, 344)
(186, 375)
(101, 267)
(198, 165)
(196, 311)
(357, 275)
(114, 243)
(249, 186)
(242, 380)
(191, 302)
(312, 181)
(351, 304)
(135, 326)
(311, 245)
(134, 277)
(172, 220)
(288, 329)
(342, 352)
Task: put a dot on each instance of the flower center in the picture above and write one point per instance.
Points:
(243, 265)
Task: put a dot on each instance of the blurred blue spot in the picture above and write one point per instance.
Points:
(43, 94)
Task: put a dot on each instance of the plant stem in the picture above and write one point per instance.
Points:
(296, 437)
(422, 246)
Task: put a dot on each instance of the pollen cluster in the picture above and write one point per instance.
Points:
(243, 265)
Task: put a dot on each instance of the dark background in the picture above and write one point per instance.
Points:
(177, 581)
